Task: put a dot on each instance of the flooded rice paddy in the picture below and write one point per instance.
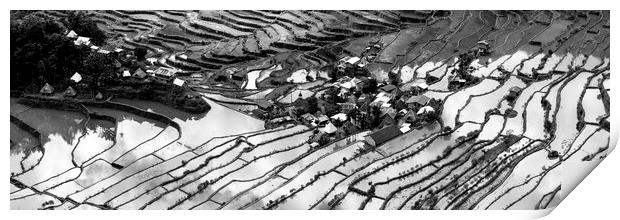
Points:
(522, 134)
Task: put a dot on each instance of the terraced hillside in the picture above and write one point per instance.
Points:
(522, 114)
(212, 40)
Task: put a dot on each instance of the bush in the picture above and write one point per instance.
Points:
(510, 113)
(545, 104)
(548, 126)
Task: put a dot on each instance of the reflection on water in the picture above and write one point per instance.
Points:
(56, 159)
(21, 140)
(104, 129)
(99, 136)
(161, 109)
(196, 129)
(51, 121)
(251, 81)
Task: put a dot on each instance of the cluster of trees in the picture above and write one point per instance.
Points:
(394, 77)
(41, 52)
(307, 105)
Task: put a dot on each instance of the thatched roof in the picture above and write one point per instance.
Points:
(47, 89)
(70, 91)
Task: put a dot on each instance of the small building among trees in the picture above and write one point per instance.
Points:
(417, 101)
(70, 92)
(47, 89)
(139, 73)
(76, 77)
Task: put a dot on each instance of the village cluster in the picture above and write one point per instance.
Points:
(127, 69)
(355, 101)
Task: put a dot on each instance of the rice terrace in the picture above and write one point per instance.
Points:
(306, 109)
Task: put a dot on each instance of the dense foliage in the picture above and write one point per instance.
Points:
(41, 52)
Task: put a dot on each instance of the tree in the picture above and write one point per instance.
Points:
(394, 77)
(312, 105)
(331, 95)
(38, 51)
(98, 66)
(375, 114)
(141, 53)
(83, 25)
(41, 53)
(369, 86)
(548, 126)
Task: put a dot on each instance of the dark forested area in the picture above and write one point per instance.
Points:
(41, 52)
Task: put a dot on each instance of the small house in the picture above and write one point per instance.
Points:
(364, 108)
(348, 85)
(264, 104)
(151, 60)
(178, 82)
(425, 110)
(70, 92)
(308, 118)
(72, 34)
(319, 137)
(196, 76)
(239, 76)
(76, 77)
(314, 144)
(323, 119)
(139, 73)
(340, 117)
(419, 100)
(99, 96)
(164, 72)
(47, 89)
(82, 41)
(388, 111)
(400, 104)
(281, 120)
(392, 90)
(349, 128)
(389, 88)
(126, 73)
(383, 135)
(382, 98)
(347, 62)
(410, 116)
(329, 128)
(347, 107)
(387, 121)
(352, 60)
(405, 127)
